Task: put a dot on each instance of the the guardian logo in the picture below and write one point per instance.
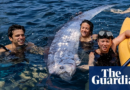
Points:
(110, 77)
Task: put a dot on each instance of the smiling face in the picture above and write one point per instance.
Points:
(104, 45)
(85, 29)
(18, 37)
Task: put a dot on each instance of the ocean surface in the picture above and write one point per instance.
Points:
(42, 19)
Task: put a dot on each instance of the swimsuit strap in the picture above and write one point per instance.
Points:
(5, 48)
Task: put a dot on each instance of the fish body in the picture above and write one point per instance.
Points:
(62, 57)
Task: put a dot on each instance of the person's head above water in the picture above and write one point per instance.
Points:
(14, 27)
(105, 40)
(16, 35)
(18, 45)
(86, 28)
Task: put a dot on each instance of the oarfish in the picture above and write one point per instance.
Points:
(62, 57)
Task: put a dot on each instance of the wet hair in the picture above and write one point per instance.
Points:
(14, 27)
(105, 34)
(90, 23)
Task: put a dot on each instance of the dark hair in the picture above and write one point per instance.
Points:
(105, 34)
(90, 23)
(14, 27)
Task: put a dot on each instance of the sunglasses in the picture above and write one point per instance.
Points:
(105, 34)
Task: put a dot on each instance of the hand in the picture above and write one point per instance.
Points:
(84, 67)
(30, 44)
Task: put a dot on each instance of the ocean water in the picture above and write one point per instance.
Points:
(42, 19)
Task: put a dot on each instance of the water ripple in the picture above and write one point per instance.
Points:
(42, 18)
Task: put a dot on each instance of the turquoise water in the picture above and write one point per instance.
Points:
(42, 18)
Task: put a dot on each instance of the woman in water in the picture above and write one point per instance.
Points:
(87, 41)
(86, 45)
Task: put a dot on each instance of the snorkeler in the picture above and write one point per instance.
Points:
(120, 11)
(16, 34)
(106, 54)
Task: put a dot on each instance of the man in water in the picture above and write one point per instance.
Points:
(16, 34)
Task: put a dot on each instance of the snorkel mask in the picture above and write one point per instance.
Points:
(105, 34)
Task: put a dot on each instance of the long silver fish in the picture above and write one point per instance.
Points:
(62, 57)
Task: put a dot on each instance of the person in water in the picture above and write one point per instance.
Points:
(16, 34)
(106, 55)
(120, 11)
(87, 41)
(87, 44)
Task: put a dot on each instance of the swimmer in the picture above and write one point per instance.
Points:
(16, 34)
(87, 41)
(106, 55)
(120, 11)
(86, 45)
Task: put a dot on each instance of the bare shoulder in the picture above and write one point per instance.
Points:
(2, 50)
(9, 46)
(94, 36)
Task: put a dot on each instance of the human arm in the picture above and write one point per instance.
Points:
(120, 11)
(90, 62)
(35, 49)
(126, 11)
(119, 39)
(91, 59)
(94, 36)
(2, 50)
